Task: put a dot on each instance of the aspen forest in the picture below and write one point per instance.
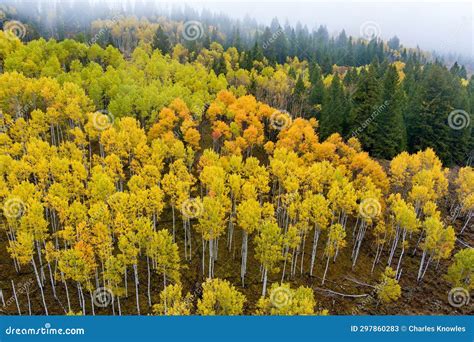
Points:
(188, 163)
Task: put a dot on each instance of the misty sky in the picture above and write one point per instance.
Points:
(433, 25)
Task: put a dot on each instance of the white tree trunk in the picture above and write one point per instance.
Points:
(325, 271)
(40, 285)
(136, 287)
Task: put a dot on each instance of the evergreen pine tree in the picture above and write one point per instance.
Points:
(299, 97)
(390, 134)
(161, 41)
(365, 101)
(317, 86)
(334, 111)
(431, 127)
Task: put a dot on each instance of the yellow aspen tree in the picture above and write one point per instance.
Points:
(127, 244)
(406, 222)
(113, 276)
(370, 210)
(388, 289)
(234, 183)
(465, 183)
(78, 264)
(438, 244)
(343, 198)
(268, 249)
(283, 300)
(381, 233)
(172, 302)
(211, 226)
(461, 271)
(219, 297)
(320, 218)
(336, 241)
(100, 186)
(166, 256)
(249, 214)
(291, 241)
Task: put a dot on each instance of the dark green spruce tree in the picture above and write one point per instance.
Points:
(334, 110)
(365, 103)
(298, 99)
(412, 103)
(316, 94)
(390, 133)
(431, 126)
(161, 41)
